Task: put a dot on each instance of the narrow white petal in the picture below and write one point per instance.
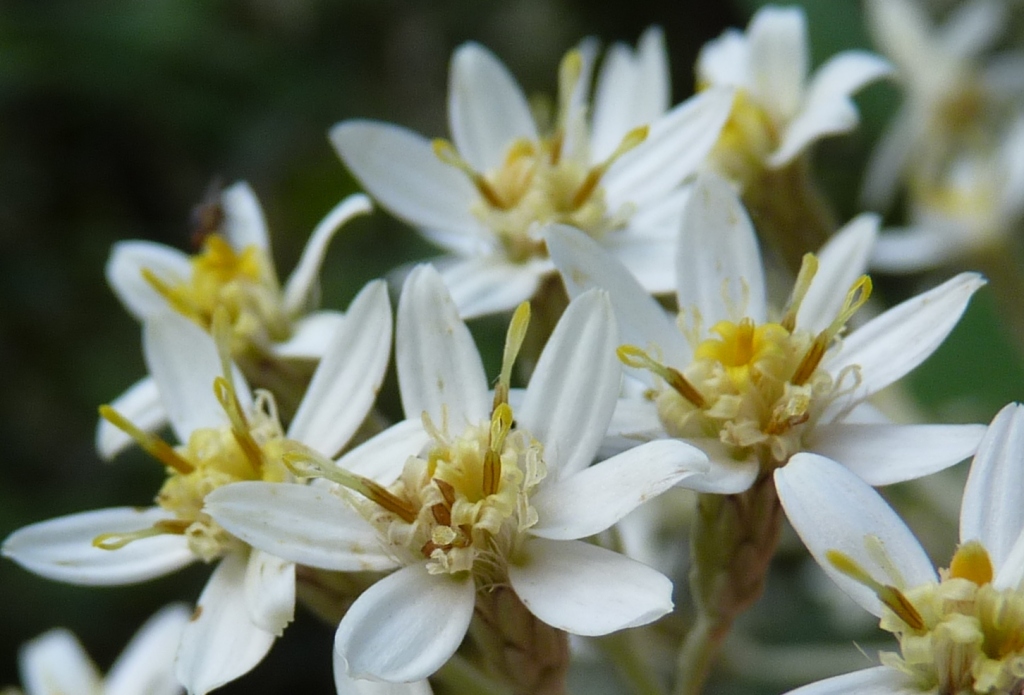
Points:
(902, 30)
(725, 61)
(676, 146)
(221, 643)
(587, 590)
(833, 509)
(887, 454)
(305, 524)
(303, 279)
(879, 680)
(147, 664)
(310, 336)
(270, 591)
(244, 223)
(973, 27)
(406, 626)
(487, 110)
(635, 417)
(62, 548)
(55, 664)
(726, 475)
(142, 406)
(718, 265)
(991, 510)
(840, 262)
(348, 377)
(888, 160)
(650, 260)
(439, 368)
(124, 273)
(399, 169)
(916, 248)
(489, 285)
(344, 685)
(590, 501)
(573, 390)
(890, 345)
(778, 58)
(1010, 575)
(828, 108)
(383, 457)
(184, 363)
(584, 265)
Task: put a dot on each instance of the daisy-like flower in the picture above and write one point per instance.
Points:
(779, 111)
(55, 663)
(751, 388)
(227, 434)
(960, 629)
(469, 497)
(271, 328)
(485, 196)
(953, 96)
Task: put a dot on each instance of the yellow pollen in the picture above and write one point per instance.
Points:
(743, 346)
(971, 562)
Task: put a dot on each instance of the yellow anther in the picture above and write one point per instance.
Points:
(632, 139)
(501, 425)
(178, 302)
(808, 269)
(517, 328)
(570, 70)
(857, 296)
(971, 562)
(116, 541)
(446, 152)
(151, 444)
(632, 356)
(228, 399)
(892, 597)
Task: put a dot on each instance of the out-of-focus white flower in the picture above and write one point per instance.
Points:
(235, 272)
(952, 97)
(961, 629)
(971, 207)
(752, 390)
(779, 111)
(55, 663)
(227, 434)
(466, 495)
(485, 196)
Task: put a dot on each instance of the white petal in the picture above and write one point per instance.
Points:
(991, 511)
(778, 58)
(676, 146)
(124, 273)
(308, 525)
(914, 249)
(1011, 574)
(902, 29)
(718, 264)
(399, 169)
(573, 390)
(487, 110)
(344, 685)
(221, 642)
(587, 590)
(888, 160)
(55, 664)
(488, 285)
(142, 406)
(650, 260)
(383, 457)
(244, 223)
(310, 336)
(890, 345)
(348, 377)
(147, 664)
(590, 501)
(635, 417)
(833, 509)
(828, 108)
(840, 262)
(406, 626)
(887, 454)
(583, 265)
(972, 27)
(62, 548)
(439, 368)
(726, 475)
(184, 363)
(880, 680)
(725, 61)
(303, 279)
(270, 591)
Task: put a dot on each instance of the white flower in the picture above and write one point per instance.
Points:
(752, 389)
(467, 496)
(55, 663)
(485, 197)
(952, 96)
(234, 270)
(961, 630)
(779, 111)
(227, 434)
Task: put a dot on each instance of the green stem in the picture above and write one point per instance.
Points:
(621, 648)
(693, 665)
(460, 677)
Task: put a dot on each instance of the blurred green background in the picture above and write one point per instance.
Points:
(116, 116)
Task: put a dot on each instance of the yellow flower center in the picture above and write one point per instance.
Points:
(543, 181)
(242, 283)
(757, 388)
(748, 137)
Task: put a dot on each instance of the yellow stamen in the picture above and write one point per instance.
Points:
(589, 185)
(501, 425)
(570, 70)
(632, 356)
(175, 299)
(151, 444)
(855, 299)
(808, 269)
(892, 597)
(228, 399)
(446, 152)
(513, 342)
(116, 541)
(971, 562)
